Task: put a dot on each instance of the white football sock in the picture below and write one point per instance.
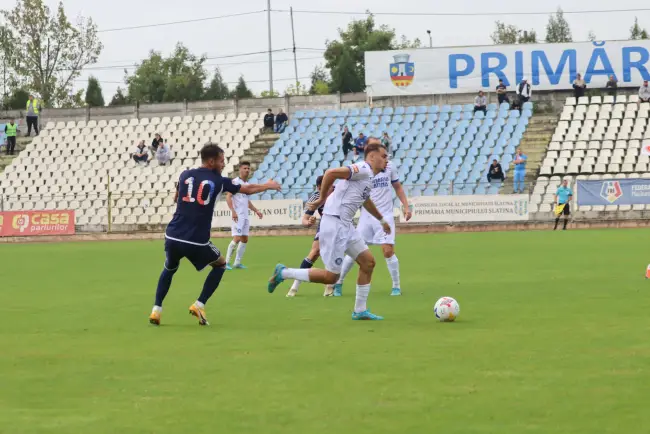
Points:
(231, 248)
(361, 298)
(157, 309)
(199, 304)
(348, 262)
(240, 253)
(301, 274)
(393, 269)
(296, 285)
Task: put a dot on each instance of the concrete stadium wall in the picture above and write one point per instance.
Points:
(546, 101)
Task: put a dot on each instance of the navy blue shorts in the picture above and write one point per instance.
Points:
(199, 256)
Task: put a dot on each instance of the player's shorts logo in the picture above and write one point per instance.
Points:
(611, 191)
(338, 261)
(20, 222)
(238, 230)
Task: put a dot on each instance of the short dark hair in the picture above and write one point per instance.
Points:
(319, 181)
(210, 150)
(244, 163)
(373, 147)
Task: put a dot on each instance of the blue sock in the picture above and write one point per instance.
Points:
(211, 284)
(164, 282)
(306, 263)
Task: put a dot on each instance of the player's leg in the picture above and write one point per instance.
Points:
(333, 239)
(204, 256)
(348, 262)
(241, 249)
(235, 230)
(393, 267)
(357, 249)
(173, 255)
(307, 263)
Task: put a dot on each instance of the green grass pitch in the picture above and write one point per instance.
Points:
(552, 338)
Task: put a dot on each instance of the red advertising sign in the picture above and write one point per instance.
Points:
(32, 223)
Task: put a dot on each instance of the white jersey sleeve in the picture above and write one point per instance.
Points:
(240, 200)
(350, 194)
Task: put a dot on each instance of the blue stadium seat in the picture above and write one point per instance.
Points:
(399, 110)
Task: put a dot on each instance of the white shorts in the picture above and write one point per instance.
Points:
(240, 227)
(338, 238)
(372, 231)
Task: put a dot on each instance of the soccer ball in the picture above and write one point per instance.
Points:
(446, 309)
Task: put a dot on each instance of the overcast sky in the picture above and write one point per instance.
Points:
(246, 34)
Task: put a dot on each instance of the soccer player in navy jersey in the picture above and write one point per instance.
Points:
(188, 234)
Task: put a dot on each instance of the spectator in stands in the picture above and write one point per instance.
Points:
(524, 92)
(157, 141)
(141, 154)
(269, 121)
(33, 108)
(495, 172)
(612, 85)
(163, 154)
(520, 171)
(347, 141)
(11, 129)
(644, 92)
(281, 121)
(360, 145)
(386, 141)
(502, 92)
(480, 103)
(579, 86)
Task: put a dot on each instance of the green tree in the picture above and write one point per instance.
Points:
(557, 29)
(17, 99)
(510, 34)
(636, 32)
(345, 57)
(218, 89)
(319, 77)
(320, 88)
(241, 91)
(296, 89)
(177, 78)
(94, 97)
(119, 98)
(269, 94)
(47, 50)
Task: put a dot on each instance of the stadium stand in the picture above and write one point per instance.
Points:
(439, 150)
(70, 165)
(596, 138)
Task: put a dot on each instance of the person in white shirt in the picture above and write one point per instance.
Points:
(338, 236)
(239, 205)
(381, 194)
(524, 92)
(141, 153)
(163, 154)
(644, 92)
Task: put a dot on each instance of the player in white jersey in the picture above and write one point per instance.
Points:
(383, 185)
(338, 236)
(239, 205)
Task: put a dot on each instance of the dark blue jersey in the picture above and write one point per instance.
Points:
(198, 192)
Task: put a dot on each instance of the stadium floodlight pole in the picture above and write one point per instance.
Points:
(430, 39)
(268, 17)
(293, 37)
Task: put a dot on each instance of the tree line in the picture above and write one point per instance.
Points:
(42, 52)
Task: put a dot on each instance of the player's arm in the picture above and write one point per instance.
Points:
(308, 218)
(399, 190)
(255, 210)
(176, 193)
(369, 205)
(231, 207)
(259, 188)
(330, 176)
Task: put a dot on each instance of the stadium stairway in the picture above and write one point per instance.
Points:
(258, 150)
(21, 144)
(533, 144)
